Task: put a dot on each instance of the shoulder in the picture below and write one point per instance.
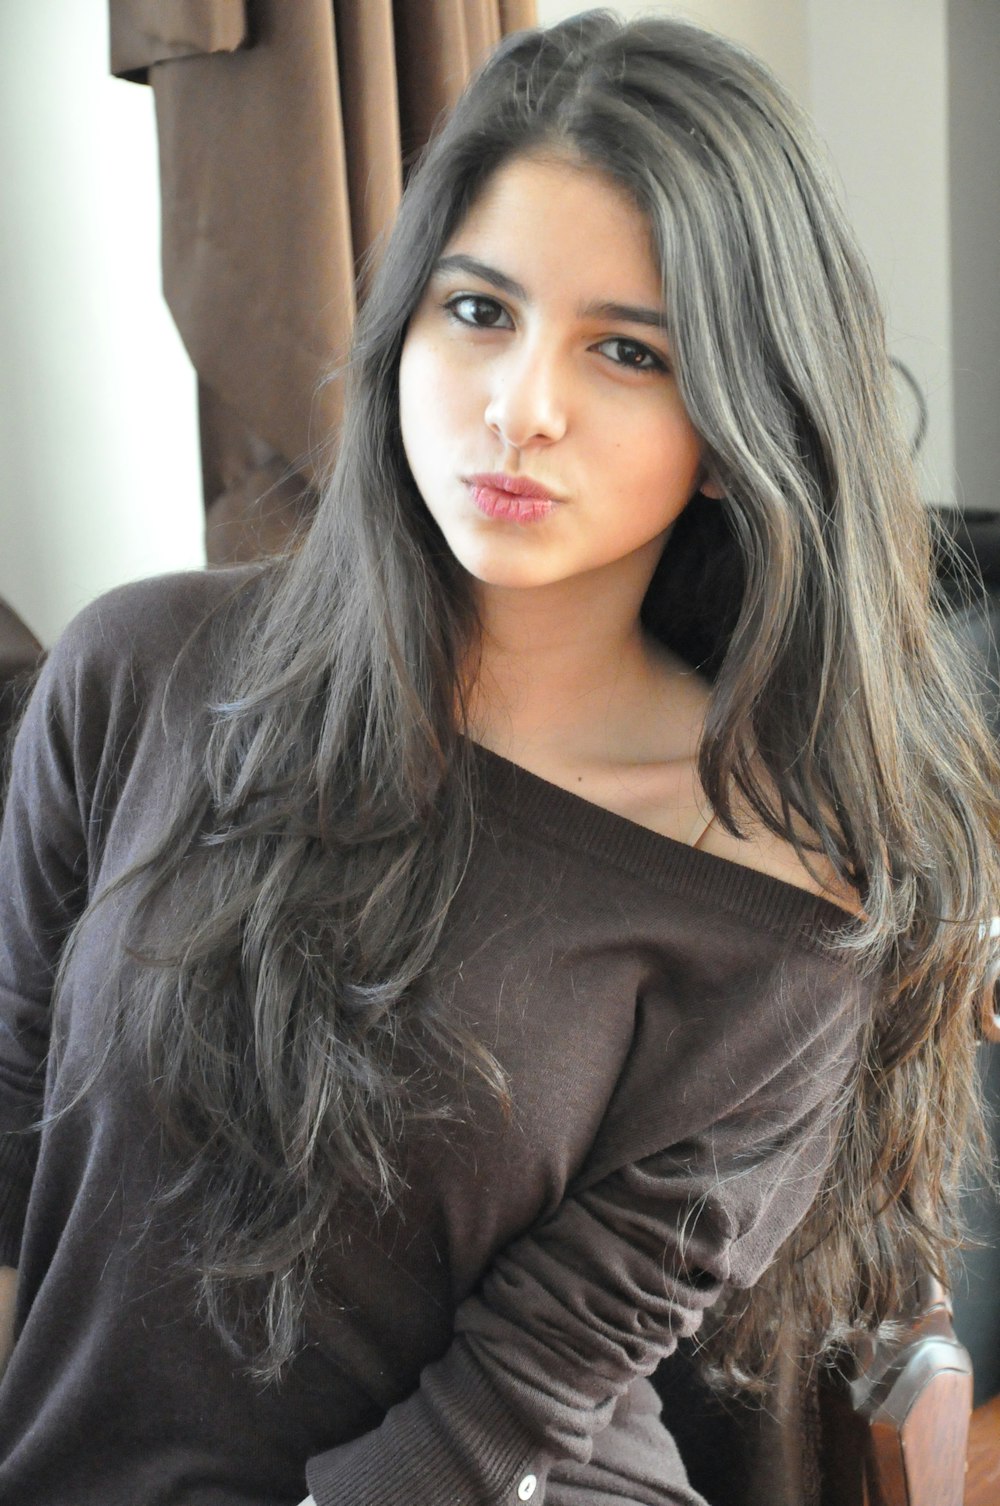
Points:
(150, 620)
(97, 725)
(688, 698)
(764, 852)
(108, 671)
(127, 641)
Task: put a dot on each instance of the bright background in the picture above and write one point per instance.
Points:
(99, 477)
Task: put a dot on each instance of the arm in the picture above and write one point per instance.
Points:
(43, 868)
(100, 687)
(634, 1462)
(572, 1314)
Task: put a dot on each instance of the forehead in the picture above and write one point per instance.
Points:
(557, 215)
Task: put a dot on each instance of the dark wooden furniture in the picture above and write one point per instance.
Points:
(896, 1432)
(895, 1424)
(982, 1481)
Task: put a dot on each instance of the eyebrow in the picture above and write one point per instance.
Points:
(628, 313)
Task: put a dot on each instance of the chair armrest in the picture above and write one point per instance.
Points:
(895, 1433)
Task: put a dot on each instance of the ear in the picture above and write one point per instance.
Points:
(709, 487)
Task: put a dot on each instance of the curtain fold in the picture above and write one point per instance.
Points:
(283, 132)
(144, 32)
(20, 655)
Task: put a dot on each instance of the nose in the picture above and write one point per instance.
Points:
(528, 402)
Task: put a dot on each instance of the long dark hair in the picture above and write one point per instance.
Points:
(290, 1013)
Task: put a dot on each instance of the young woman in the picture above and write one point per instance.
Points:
(446, 962)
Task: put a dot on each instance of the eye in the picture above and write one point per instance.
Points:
(478, 311)
(632, 354)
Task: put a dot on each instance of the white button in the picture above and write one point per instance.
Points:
(527, 1488)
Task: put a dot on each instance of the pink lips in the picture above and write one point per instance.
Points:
(514, 499)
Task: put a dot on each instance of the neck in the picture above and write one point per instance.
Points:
(564, 673)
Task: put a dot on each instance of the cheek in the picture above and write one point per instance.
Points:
(686, 451)
(411, 414)
(662, 454)
(686, 441)
(430, 394)
(419, 411)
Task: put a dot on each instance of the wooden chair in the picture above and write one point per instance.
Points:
(896, 1431)
(888, 1426)
(982, 1480)
(895, 1428)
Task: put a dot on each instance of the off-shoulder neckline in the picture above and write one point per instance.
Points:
(558, 814)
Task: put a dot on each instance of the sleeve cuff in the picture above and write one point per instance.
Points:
(451, 1442)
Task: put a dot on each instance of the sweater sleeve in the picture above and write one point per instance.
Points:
(574, 1311)
(634, 1461)
(43, 863)
(68, 763)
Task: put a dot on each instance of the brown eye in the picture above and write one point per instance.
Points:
(478, 312)
(632, 355)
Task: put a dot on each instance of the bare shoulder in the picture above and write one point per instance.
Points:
(766, 853)
(761, 850)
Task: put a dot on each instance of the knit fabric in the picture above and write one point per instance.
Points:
(676, 1031)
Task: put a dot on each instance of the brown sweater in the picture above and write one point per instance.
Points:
(675, 1032)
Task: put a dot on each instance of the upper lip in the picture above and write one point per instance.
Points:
(518, 486)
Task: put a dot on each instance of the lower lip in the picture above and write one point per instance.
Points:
(509, 507)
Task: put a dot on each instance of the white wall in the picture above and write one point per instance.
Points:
(878, 78)
(99, 476)
(974, 192)
(774, 29)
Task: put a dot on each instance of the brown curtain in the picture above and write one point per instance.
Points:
(283, 130)
(20, 656)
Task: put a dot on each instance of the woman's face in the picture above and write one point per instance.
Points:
(540, 418)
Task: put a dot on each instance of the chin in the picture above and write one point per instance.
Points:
(506, 575)
(508, 580)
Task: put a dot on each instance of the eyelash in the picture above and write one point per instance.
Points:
(656, 363)
(454, 304)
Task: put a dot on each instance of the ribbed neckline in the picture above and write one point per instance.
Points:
(539, 807)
